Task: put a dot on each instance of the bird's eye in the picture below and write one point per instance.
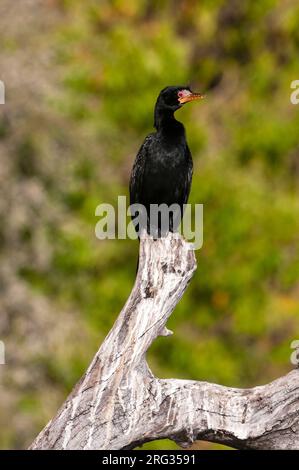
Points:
(180, 94)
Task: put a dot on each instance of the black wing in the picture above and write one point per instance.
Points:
(188, 179)
(137, 174)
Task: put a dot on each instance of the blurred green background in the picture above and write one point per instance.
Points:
(81, 82)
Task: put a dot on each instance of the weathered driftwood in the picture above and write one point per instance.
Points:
(119, 404)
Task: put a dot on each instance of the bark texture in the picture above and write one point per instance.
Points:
(119, 403)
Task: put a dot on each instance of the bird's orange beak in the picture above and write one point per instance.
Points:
(190, 97)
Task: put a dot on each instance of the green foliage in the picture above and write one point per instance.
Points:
(235, 323)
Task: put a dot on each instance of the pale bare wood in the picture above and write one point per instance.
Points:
(119, 403)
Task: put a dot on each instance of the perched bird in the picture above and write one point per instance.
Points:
(163, 167)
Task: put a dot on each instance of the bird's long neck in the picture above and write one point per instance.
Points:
(167, 125)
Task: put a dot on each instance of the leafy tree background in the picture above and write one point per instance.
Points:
(81, 81)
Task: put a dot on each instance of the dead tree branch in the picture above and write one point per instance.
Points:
(119, 404)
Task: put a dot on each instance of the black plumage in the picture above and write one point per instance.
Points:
(162, 172)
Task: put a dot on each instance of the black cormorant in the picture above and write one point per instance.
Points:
(162, 171)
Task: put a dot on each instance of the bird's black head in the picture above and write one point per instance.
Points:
(172, 98)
